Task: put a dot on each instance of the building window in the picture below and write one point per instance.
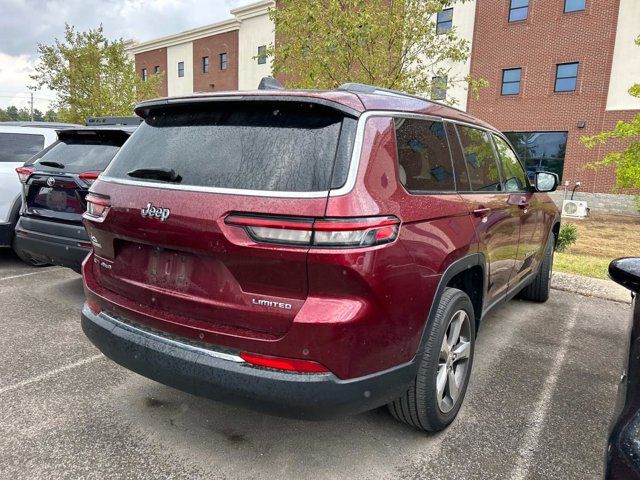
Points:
(566, 77)
(511, 81)
(540, 151)
(444, 21)
(439, 88)
(518, 10)
(156, 69)
(145, 75)
(205, 64)
(262, 55)
(574, 5)
(180, 69)
(223, 61)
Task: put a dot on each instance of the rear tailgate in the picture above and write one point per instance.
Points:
(165, 245)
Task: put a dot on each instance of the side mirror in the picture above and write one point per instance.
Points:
(546, 181)
(626, 272)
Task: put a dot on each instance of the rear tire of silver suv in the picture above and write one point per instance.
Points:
(538, 290)
(434, 398)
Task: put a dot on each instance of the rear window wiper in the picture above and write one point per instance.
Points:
(46, 163)
(156, 173)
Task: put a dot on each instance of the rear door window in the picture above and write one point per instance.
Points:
(19, 147)
(424, 159)
(479, 156)
(265, 146)
(514, 178)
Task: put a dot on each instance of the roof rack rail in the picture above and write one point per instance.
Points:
(364, 88)
(97, 121)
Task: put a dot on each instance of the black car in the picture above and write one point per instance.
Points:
(623, 450)
(56, 182)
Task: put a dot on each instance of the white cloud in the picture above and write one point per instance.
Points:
(25, 23)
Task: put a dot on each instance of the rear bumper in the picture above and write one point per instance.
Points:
(51, 242)
(224, 376)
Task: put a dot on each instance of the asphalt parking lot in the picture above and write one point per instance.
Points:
(539, 404)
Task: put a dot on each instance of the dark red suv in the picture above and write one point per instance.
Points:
(312, 253)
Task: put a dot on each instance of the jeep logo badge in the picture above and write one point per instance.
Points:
(51, 181)
(155, 212)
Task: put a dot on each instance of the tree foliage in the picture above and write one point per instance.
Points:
(91, 76)
(14, 114)
(321, 44)
(627, 160)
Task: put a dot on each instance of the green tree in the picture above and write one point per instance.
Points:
(91, 76)
(626, 160)
(388, 43)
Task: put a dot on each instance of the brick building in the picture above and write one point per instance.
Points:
(557, 70)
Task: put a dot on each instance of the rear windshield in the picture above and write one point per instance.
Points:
(78, 153)
(19, 147)
(285, 146)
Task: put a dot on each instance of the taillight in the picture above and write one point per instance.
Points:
(281, 363)
(320, 232)
(24, 173)
(97, 207)
(89, 177)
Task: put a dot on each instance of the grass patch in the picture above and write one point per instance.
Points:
(600, 240)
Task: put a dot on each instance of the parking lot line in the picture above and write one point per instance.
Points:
(538, 416)
(50, 373)
(11, 277)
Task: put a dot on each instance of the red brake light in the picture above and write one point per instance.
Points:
(94, 307)
(89, 177)
(322, 232)
(97, 207)
(24, 173)
(280, 363)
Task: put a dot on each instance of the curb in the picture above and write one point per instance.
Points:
(590, 287)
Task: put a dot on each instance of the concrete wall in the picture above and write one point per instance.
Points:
(180, 85)
(625, 70)
(463, 21)
(256, 29)
(602, 203)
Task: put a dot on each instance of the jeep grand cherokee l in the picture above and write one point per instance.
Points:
(55, 184)
(312, 253)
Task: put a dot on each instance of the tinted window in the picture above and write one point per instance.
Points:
(511, 81)
(566, 77)
(81, 153)
(514, 178)
(424, 161)
(250, 146)
(181, 69)
(262, 55)
(19, 147)
(541, 151)
(518, 10)
(479, 156)
(444, 21)
(459, 164)
(574, 5)
(439, 88)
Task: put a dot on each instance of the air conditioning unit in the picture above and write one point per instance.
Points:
(574, 209)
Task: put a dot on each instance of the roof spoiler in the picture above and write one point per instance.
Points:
(270, 83)
(109, 121)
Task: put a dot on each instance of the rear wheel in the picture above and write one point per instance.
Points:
(538, 290)
(435, 396)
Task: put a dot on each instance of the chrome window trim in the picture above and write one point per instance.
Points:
(192, 348)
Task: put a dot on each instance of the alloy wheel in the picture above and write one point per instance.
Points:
(453, 361)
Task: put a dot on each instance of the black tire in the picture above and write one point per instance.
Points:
(538, 289)
(419, 406)
(25, 257)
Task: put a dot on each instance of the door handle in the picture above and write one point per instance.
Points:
(481, 212)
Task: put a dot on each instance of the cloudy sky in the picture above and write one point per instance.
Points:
(25, 23)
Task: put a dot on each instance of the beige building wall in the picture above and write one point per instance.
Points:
(256, 29)
(625, 70)
(175, 54)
